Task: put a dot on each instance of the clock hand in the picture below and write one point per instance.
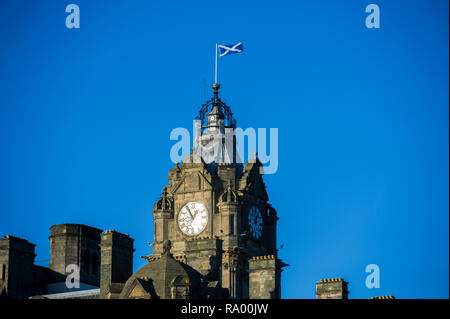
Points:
(196, 221)
(190, 213)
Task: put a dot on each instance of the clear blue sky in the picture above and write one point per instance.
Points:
(363, 119)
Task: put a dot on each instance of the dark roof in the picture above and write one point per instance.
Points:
(161, 273)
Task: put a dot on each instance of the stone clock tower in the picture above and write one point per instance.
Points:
(216, 214)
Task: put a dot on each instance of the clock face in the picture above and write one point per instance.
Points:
(193, 218)
(255, 222)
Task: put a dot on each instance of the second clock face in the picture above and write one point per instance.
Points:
(255, 222)
(193, 218)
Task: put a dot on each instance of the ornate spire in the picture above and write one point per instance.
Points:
(216, 104)
(216, 142)
(229, 195)
(164, 201)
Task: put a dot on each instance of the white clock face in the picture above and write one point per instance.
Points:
(193, 218)
(255, 222)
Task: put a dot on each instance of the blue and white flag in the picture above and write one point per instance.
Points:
(230, 48)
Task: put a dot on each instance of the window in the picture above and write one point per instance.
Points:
(231, 224)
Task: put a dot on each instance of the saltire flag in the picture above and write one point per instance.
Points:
(230, 48)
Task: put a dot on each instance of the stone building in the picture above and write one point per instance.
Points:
(215, 216)
(92, 252)
(214, 236)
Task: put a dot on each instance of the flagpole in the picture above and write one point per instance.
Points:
(215, 78)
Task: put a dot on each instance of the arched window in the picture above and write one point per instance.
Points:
(179, 288)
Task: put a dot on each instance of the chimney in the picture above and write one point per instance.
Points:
(116, 262)
(16, 267)
(335, 288)
(75, 244)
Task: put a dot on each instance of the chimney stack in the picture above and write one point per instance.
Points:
(334, 288)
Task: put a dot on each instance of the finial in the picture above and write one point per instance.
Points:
(229, 187)
(216, 87)
(167, 245)
(164, 201)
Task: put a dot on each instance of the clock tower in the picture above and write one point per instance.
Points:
(215, 211)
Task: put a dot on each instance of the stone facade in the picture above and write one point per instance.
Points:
(16, 267)
(335, 288)
(224, 250)
(265, 277)
(79, 245)
(226, 257)
(205, 254)
(116, 262)
(104, 260)
(224, 246)
(165, 277)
